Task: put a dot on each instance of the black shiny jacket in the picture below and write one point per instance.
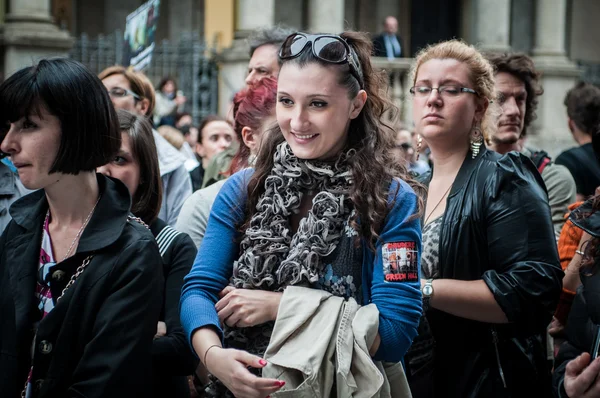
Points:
(497, 227)
(584, 318)
(97, 341)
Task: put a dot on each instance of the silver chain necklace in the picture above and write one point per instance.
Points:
(85, 223)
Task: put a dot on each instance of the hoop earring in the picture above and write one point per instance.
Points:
(476, 141)
(419, 143)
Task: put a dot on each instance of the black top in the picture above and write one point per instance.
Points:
(584, 167)
(197, 177)
(497, 227)
(172, 357)
(97, 341)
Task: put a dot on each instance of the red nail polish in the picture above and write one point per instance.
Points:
(262, 362)
(281, 383)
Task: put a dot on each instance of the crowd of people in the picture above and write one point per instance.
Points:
(306, 244)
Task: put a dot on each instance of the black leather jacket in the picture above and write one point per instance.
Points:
(584, 317)
(497, 227)
(97, 341)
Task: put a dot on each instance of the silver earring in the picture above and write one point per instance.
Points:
(476, 141)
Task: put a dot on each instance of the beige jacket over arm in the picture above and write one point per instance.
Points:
(319, 338)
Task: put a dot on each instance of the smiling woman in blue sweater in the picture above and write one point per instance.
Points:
(325, 207)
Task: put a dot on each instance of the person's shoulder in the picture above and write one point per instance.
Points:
(403, 196)
(136, 230)
(235, 188)
(169, 158)
(239, 179)
(512, 170)
(510, 162)
(167, 237)
(399, 187)
(587, 217)
(570, 155)
(555, 170)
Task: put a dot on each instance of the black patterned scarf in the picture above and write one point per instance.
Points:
(271, 257)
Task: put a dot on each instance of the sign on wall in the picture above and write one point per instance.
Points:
(140, 28)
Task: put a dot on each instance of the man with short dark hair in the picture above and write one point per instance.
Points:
(517, 85)
(583, 110)
(264, 48)
(264, 62)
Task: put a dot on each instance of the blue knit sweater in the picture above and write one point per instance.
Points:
(398, 302)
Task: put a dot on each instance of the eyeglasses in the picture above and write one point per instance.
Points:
(119, 92)
(329, 48)
(404, 146)
(444, 91)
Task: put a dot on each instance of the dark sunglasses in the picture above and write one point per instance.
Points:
(329, 48)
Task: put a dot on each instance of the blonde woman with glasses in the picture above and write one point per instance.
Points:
(490, 270)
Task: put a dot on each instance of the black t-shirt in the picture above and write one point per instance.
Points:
(584, 167)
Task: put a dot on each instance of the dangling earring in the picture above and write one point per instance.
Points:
(419, 143)
(476, 140)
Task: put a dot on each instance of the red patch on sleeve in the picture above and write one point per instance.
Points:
(400, 262)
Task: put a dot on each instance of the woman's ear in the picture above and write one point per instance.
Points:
(358, 104)
(143, 106)
(481, 106)
(249, 138)
(200, 150)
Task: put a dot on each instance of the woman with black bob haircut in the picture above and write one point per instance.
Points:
(136, 165)
(79, 275)
(326, 214)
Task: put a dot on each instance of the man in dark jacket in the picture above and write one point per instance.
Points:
(388, 44)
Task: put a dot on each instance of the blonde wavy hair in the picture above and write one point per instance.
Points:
(481, 75)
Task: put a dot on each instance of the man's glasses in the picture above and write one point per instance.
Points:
(444, 91)
(119, 92)
(329, 48)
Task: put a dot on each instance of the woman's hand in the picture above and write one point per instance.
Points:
(247, 307)
(581, 377)
(161, 330)
(556, 328)
(231, 368)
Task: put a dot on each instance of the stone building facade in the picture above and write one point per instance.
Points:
(559, 34)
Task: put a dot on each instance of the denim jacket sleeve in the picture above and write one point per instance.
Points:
(524, 275)
(399, 302)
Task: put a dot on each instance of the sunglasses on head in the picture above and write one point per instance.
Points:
(328, 48)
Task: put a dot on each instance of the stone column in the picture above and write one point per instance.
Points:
(254, 14)
(550, 31)
(326, 16)
(492, 24)
(30, 34)
(250, 15)
(559, 74)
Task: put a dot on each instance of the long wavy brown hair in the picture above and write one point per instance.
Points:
(373, 166)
